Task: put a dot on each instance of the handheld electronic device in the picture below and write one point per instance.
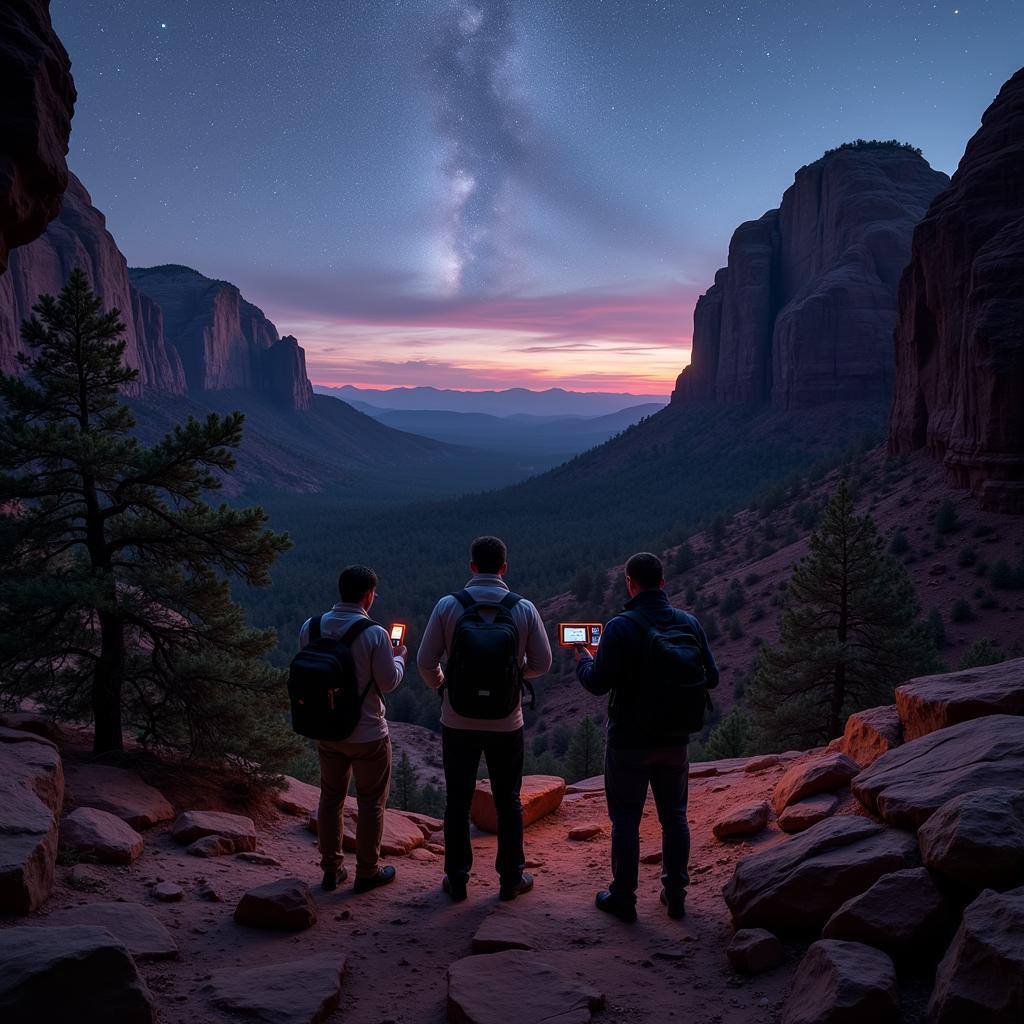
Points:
(572, 633)
(397, 634)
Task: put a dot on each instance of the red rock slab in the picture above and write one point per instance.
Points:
(236, 829)
(31, 794)
(521, 986)
(937, 702)
(907, 785)
(977, 838)
(297, 797)
(843, 983)
(540, 795)
(130, 923)
(595, 784)
(304, 991)
(803, 814)
(824, 774)
(103, 836)
(506, 927)
(797, 885)
(117, 791)
(745, 820)
(77, 973)
(581, 833)
(981, 977)
(401, 834)
(903, 913)
(871, 733)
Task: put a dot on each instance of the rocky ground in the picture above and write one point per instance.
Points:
(226, 922)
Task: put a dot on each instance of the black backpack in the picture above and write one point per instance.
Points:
(672, 688)
(484, 676)
(322, 684)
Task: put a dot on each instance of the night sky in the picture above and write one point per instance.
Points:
(484, 193)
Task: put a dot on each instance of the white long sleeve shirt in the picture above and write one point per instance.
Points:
(534, 649)
(375, 661)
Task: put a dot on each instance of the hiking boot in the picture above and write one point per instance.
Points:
(510, 892)
(383, 876)
(624, 910)
(457, 890)
(676, 905)
(332, 878)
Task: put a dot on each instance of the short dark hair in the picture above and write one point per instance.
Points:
(645, 570)
(488, 554)
(355, 582)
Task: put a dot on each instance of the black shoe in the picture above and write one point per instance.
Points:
(676, 905)
(624, 910)
(383, 876)
(457, 890)
(332, 878)
(510, 892)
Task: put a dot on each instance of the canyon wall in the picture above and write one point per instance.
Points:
(37, 99)
(960, 331)
(803, 313)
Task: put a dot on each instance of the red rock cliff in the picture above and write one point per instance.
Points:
(803, 313)
(37, 99)
(960, 331)
(79, 238)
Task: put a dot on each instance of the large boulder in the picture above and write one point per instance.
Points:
(871, 733)
(937, 702)
(843, 983)
(907, 785)
(903, 913)
(745, 820)
(528, 985)
(823, 774)
(401, 834)
(37, 99)
(540, 795)
(119, 792)
(303, 991)
(236, 829)
(131, 924)
(799, 884)
(283, 905)
(981, 977)
(959, 338)
(79, 973)
(103, 837)
(977, 838)
(32, 721)
(31, 794)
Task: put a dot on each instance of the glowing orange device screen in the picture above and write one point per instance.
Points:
(397, 634)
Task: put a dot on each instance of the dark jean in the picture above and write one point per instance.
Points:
(627, 774)
(461, 750)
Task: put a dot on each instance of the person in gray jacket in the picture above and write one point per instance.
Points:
(462, 627)
(366, 753)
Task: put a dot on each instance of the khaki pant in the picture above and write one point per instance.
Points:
(371, 765)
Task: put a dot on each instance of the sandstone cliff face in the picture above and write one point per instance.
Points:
(223, 341)
(960, 331)
(79, 238)
(803, 313)
(37, 99)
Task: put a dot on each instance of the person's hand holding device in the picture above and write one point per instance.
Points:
(397, 640)
(582, 637)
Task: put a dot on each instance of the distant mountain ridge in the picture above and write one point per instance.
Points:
(507, 402)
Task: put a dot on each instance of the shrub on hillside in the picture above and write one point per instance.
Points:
(981, 653)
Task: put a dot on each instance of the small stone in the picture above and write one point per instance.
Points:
(745, 820)
(208, 892)
(168, 892)
(251, 857)
(234, 828)
(283, 905)
(211, 846)
(652, 858)
(101, 835)
(823, 774)
(753, 950)
(804, 813)
(583, 832)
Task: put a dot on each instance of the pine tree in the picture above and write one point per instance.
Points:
(847, 636)
(116, 601)
(404, 786)
(730, 738)
(585, 757)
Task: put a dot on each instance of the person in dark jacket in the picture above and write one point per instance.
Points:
(634, 759)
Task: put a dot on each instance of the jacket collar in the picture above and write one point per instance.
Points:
(648, 599)
(487, 579)
(350, 608)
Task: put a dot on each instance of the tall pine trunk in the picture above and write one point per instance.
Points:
(107, 685)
